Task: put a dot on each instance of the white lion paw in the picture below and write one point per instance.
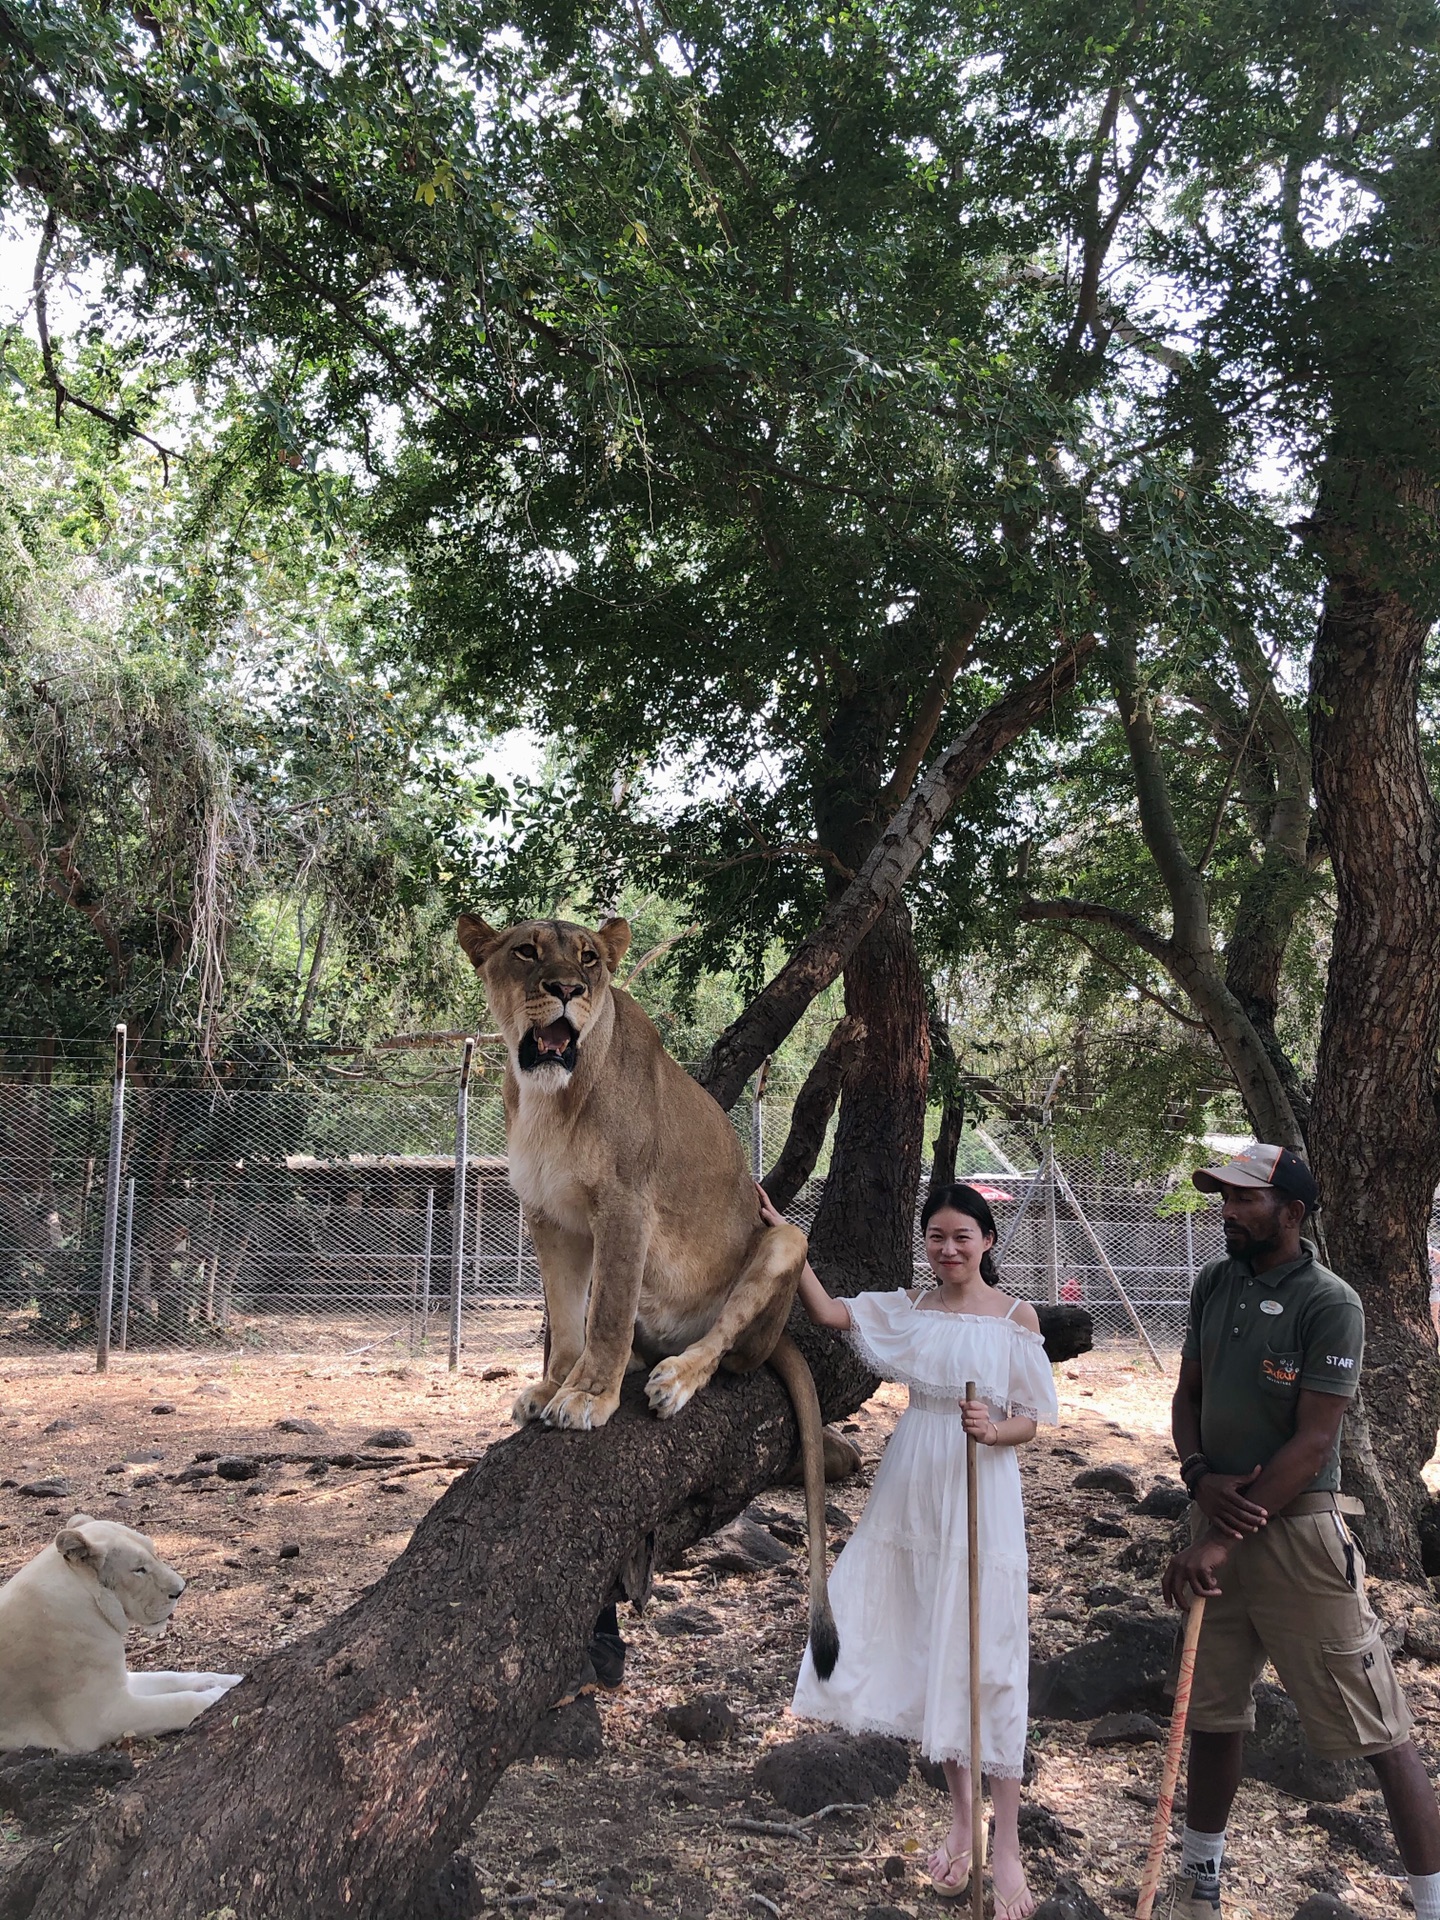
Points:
(580, 1412)
(673, 1385)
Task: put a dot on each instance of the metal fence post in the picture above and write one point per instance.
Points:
(125, 1263)
(1190, 1245)
(457, 1225)
(112, 1204)
(420, 1311)
(1052, 1224)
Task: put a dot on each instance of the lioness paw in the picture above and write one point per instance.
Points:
(673, 1384)
(580, 1412)
(530, 1403)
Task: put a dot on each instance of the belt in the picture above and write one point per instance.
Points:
(1322, 1503)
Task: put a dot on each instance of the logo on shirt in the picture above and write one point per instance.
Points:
(1271, 1306)
(1280, 1371)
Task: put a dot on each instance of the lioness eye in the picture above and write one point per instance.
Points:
(527, 952)
(589, 959)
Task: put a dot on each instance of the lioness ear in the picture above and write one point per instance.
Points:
(613, 939)
(476, 938)
(72, 1545)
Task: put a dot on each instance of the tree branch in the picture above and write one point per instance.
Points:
(932, 705)
(1134, 930)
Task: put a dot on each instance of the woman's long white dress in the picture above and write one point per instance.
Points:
(899, 1588)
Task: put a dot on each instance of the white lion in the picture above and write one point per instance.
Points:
(63, 1621)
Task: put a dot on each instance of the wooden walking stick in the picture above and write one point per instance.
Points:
(972, 1544)
(1160, 1832)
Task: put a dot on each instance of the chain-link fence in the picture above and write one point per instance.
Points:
(335, 1210)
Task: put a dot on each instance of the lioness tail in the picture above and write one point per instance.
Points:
(791, 1365)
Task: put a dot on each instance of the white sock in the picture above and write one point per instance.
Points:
(1425, 1888)
(1201, 1854)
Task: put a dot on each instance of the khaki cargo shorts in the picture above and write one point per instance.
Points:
(1293, 1595)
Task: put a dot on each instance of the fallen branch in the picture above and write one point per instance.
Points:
(794, 1829)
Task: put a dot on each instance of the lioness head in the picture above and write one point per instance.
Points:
(125, 1564)
(547, 980)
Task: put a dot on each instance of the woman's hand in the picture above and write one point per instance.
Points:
(767, 1212)
(979, 1422)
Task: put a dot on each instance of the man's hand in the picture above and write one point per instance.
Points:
(1196, 1571)
(1220, 1499)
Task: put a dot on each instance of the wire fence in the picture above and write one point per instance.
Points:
(339, 1210)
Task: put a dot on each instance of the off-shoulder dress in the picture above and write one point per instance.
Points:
(899, 1588)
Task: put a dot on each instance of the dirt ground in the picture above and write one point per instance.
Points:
(651, 1820)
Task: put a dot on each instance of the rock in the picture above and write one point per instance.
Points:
(1066, 1331)
(682, 1620)
(1166, 1500)
(297, 1423)
(706, 1719)
(1106, 1527)
(884, 1913)
(62, 1425)
(40, 1789)
(143, 1457)
(1422, 1634)
(289, 1551)
(842, 1459)
(54, 1489)
(1362, 1833)
(1146, 1557)
(212, 1389)
(453, 1892)
(497, 1373)
(163, 1406)
(1122, 1672)
(194, 1472)
(1115, 1478)
(1324, 1906)
(1106, 1594)
(818, 1769)
(1278, 1753)
(1124, 1730)
(892, 1868)
(391, 1437)
(1039, 1827)
(571, 1732)
(237, 1466)
(1068, 1900)
(742, 1547)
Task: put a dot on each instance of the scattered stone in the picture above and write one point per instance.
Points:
(143, 1457)
(1326, 1880)
(297, 1423)
(209, 1455)
(1106, 1526)
(742, 1547)
(884, 1913)
(497, 1373)
(146, 1480)
(230, 1561)
(62, 1425)
(317, 1470)
(212, 1389)
(1122, 1672)
(201, 1471)
(163, 1406)
(289, 1551)
(237, 1466)
(571, 1732)
(1115, 1478)
(1124, 1730)
(1106, 1594)
(41, 1789)
(1146, 1557)
(1278, 1753)
(818, 1769)
(1083, 1545)
(391, 1437)
(391, 1486)
(686, 1619)
(706, 1720)
(1166, 1500)
(1324, 1906)
(1068, 1900)
(1362, 1833)
(55, 1489)
(893, 1867)
(1039, 1827)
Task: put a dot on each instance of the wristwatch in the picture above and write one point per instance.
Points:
(1193, 1470)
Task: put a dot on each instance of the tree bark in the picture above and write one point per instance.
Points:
(810, 1116)
(1376, 1126)
(338, 1778)
(819, 958)
(952, 1110)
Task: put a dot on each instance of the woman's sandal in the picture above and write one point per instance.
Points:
(1018, 1905)
(940, 1879)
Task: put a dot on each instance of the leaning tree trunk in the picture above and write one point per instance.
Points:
(1375, 1129)
(337, 1779)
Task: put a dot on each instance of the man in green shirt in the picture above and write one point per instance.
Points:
(1271, 1359)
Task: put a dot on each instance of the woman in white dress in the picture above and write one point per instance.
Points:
(900, 1587)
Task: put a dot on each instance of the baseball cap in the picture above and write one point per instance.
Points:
(1261, 1166)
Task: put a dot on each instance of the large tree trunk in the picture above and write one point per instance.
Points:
(338, 1778)
(810, 1116)
(1375, 1127)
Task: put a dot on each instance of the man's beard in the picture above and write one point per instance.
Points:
(1240, 1242)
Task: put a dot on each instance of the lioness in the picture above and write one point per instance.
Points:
(63, 1621)
(640, 1205)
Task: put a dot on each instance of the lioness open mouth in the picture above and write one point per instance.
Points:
(552, 1046)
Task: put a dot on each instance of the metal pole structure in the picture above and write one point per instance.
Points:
(457, 1208)
(112, 1203)
(519, 1250)
(1007, 1165)
(1052, 1224)
(1020, 1211)
(1102, 1256)
(125, 1263)
(425, 1259)
(757, 1123)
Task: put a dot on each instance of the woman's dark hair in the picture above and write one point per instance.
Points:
(959, 1198)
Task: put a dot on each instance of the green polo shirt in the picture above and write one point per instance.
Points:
(1259, 1339)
